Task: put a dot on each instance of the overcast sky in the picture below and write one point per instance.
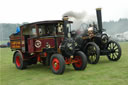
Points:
(18, 11)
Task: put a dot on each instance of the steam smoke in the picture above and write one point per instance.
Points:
(79, 18)
(76, 15)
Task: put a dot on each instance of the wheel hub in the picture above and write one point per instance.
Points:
(55, 64)
(112, 51)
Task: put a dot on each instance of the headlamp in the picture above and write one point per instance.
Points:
(104, 38)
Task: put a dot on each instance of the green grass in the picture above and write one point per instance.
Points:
(104, 73)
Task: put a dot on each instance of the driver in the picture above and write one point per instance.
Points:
(60, 27)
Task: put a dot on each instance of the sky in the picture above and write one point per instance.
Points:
(19, 11)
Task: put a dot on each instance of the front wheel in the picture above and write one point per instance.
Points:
(57, 64)
(18, 60)
(81, 59)
(92, 51)
(114, 51)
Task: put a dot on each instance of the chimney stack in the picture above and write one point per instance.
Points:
(99, 19)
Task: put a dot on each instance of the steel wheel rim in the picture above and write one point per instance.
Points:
(18, 63)
(55, 64)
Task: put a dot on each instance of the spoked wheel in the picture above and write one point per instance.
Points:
(57, 64)
(81, 59)
(20, 64)
(114, 51)
(93, 53)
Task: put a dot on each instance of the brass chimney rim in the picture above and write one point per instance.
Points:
(98, 8)
(65, 18)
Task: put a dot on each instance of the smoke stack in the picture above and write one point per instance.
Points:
(99, 19)
(65, 18)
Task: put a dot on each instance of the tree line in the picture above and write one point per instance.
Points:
(112, 27)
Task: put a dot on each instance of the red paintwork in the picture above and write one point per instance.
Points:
(15, 38)
(30, 45)
(79, 63)
(55, 64)
(38, 59)
(59, 40)
(45, 54)
(70, 61)
(18, 61)
(32, 48)
(50, 41)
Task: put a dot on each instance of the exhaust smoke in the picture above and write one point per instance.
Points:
(79, 18)
(75, 15)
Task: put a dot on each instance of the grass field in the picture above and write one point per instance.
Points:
(104, 73)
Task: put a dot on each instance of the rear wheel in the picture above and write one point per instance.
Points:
(18, 60)
(57, 64)
(93, 53)
(82, 61)
(114, 51)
